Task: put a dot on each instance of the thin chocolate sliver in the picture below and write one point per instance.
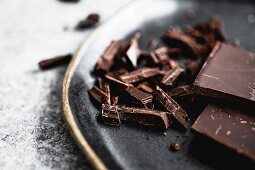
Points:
(170, 105)
(110, 115)
(115, 80)
(56, 61)
(231, 126)
(139, 75)
(228, 73)
(140, 96)
(172, 76)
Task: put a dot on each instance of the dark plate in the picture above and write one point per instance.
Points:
(129, 147)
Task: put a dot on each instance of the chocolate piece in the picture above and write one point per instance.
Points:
(145, 116)
(56, 61)
(99, 95)
(228, 73)
(170, 105)
(160, 54)
(172, 76)
(110, 115)
(106, 89)
(115, 79)
(153, 44)
(139, 75)
(175, 38)
(90, 21)
(230, 126)
(132, 51)
(146, 87)
(180, 91)
(106, 61)
(175, 146)
(140, 96)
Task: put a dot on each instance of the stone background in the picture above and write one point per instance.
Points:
(32, 132)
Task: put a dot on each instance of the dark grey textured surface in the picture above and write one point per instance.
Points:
(130, 147)
(32, 133)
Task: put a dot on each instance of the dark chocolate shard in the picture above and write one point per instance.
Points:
(172, 76)
(180, 91)
(191, 48)
(139, 75)
(160, 54)
(56, 61)
(99, 95)
(170, 105)
(106, 89)
(110, 115)
(133, 51)
(230, 126)
(146, 87)
(228, 73)
(145, 116)
(115, 80)
(106, 61)
(90, 21)
(140, 96)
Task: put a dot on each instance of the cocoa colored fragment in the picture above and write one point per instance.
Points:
(99, 95)
(56, 61)
(172, 76)
(110, 115)
(90, 21)
(139, 75)
(170, 105)
(139, 96)
(175, 146)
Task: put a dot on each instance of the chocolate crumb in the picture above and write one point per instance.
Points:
(175, 146)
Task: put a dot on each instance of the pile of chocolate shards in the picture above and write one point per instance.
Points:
(154, 88)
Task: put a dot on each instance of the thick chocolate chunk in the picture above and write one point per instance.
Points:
(229, 126)
(110, 114)
(172, 76)
(170, 105)
(106, 61)
(228, 73)
(139, 75)
(146, 87)
(99, 95)
(180, 91)
(140, 96)
(145, 116)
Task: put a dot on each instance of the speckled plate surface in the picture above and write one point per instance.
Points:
(129, 147)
